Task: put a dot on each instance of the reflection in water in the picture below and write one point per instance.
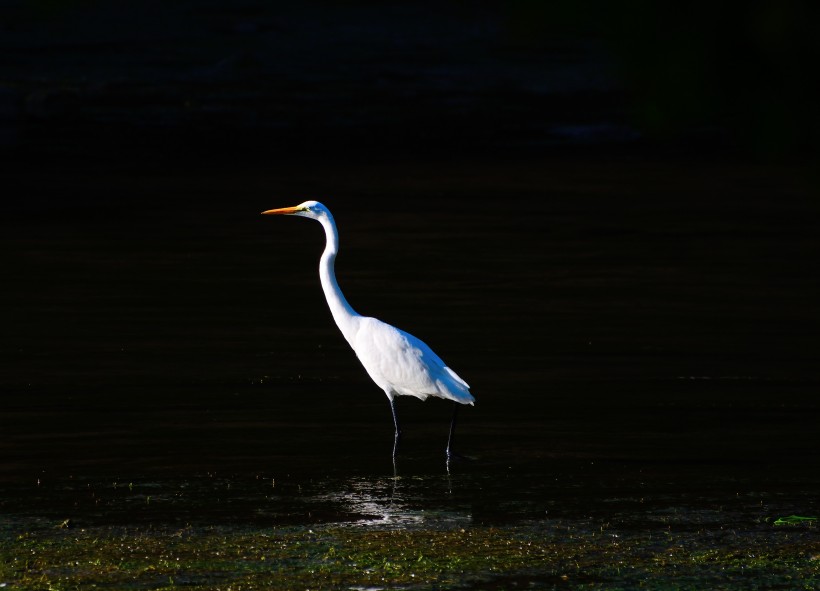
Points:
(379, 499)
(399, 502)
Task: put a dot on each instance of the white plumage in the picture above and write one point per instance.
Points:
(403, 365)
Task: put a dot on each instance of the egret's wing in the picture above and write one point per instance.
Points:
(405, 365)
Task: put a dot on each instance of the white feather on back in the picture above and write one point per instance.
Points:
(403, 365)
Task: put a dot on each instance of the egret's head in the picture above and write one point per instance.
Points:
(308, 209)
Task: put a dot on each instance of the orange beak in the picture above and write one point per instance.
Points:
(281, 211)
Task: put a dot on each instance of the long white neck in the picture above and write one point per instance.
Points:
(346, 317)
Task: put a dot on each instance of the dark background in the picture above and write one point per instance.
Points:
(254, 80)
(602, 215)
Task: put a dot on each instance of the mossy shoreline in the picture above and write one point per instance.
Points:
(536, 555)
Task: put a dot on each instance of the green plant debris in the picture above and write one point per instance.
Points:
(795, 520)
(346, 557)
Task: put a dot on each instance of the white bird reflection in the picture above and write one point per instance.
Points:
(397, 502)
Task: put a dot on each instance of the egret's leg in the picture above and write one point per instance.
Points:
(452, 430)
(395, 418)
(398, 429)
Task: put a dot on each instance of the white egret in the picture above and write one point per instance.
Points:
(399, 363)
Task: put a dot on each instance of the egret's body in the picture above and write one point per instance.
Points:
(399, 363)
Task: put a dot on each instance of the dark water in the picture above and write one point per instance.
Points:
(640, 337)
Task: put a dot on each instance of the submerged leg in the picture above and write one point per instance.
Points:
(396, 424)
(451, 437)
